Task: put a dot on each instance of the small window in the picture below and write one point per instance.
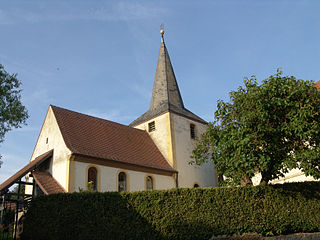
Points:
(122, 182)
(196, 185)
(152, 126)
(47, 140)
(192, 131)
(92, 178)
(149, 183)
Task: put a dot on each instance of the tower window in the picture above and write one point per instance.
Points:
(192, 131)
(151, 126)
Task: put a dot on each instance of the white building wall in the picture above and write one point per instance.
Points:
(108, 177)
(204, 175)
(50, 138)
(161, 136)
(295, 175)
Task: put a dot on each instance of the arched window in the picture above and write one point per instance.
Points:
(92, 178)
(122, 182)
(149, 183)
(196, 185)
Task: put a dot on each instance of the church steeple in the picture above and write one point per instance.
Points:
(166, 95)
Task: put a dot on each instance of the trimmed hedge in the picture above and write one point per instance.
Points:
(176, 214)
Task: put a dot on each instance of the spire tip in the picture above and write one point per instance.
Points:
(161, 31)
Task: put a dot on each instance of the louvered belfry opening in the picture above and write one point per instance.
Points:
(151, 126)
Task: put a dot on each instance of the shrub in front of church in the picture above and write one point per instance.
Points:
(176, 214)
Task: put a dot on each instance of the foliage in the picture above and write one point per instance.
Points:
(90, 188)
(15, 190)
(12, 113)
(176, 214)
(8, 217)
(269, 129)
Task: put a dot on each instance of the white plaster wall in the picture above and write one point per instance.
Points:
(160, 135)
(204, 175)
(295, 175)
(256, 179)
(107, 178)
(28, 188)
(59, 166)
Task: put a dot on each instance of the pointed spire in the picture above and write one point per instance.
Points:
(165, 88)
(165, 94)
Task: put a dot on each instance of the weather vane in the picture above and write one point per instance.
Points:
(162, 30)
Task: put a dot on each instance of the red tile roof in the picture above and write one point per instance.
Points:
(99, 138)
(317, 84)
(47, 183)
(23, 171)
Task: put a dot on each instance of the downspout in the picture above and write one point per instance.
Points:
(176, 177)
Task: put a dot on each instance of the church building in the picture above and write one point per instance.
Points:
(77, 152)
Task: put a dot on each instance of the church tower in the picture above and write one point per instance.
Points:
(173, 128)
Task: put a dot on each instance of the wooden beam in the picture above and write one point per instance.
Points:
(26, 183)
(16, 194)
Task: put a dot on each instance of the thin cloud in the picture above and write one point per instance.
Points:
(142, 91)
(28, 129)
(112, 115)
(11, 164)
(121, 11)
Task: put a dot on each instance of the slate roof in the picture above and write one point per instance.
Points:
(103, 139)
(23, 171)
(47, 183)
(165, 94)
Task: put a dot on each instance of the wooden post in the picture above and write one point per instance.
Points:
(17, 212)
(33, 187)
(2, 209)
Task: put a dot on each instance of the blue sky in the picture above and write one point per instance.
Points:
(99, 57)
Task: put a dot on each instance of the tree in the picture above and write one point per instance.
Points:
(12, 113)
(268, 129)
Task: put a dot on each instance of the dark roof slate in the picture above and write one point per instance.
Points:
(165, 94)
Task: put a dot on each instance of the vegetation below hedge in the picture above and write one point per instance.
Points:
(176, 214)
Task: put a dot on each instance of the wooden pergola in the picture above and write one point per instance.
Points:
(18, 201)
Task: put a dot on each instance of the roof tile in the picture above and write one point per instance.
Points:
(96, 137)
(23, 171)
(47, 183)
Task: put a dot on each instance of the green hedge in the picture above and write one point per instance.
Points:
(176, 214)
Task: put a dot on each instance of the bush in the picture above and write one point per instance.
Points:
(176, 214)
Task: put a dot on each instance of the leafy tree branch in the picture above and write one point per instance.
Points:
(268, 129)
(12, 113)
